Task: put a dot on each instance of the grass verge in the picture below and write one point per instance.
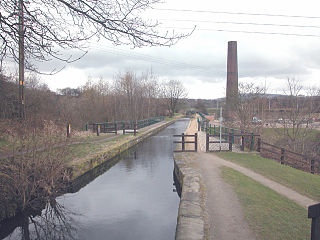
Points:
(269, 214)
(93, 148)
(305, 183)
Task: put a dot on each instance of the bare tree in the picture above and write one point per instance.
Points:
(50, 26)
(249, 104)
(298, 114)
(173, 92)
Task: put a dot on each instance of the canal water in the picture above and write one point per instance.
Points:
(133, 199)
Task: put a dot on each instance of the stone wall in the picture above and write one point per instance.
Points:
(191, 214)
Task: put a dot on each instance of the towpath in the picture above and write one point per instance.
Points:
(225, 216)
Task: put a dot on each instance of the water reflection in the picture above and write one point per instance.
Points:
(54, 222)
(129, 197)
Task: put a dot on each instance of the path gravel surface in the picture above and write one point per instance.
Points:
(226, 218)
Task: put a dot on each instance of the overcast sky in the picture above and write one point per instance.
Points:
(200, 60)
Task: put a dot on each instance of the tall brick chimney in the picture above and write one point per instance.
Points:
(232, 76)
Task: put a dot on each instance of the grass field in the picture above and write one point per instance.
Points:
(270, 215)
(312, 134)
(302, 182)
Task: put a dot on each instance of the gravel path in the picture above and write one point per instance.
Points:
(225, 215)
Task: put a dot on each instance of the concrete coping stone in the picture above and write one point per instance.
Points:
(190, 223)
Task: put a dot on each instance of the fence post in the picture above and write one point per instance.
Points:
(115, 128)
(282, 156)
(198, 125)
(230, 142)
(242, 143)
(314, 213)
(134, 129)
(312, 166)
(251, 146)
(182, 144)
(196, 142)
(98, 129)
(232, 135)
(207, 142)
(259, 145)
(226, 134)
(68, 130)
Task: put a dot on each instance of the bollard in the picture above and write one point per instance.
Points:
(207, 142)
(86, 126)
(314, 213)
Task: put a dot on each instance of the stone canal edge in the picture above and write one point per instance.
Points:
(192, 214)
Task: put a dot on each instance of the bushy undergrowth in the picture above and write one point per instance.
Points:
(34, 172)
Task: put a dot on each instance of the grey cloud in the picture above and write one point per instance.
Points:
(260, 67)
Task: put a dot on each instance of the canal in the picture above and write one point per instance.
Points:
(133, 199)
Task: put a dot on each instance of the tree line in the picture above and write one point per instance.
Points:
(128, 97)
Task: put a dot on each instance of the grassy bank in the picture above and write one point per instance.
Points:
(302, 182)
(270, 215)
(312, 134)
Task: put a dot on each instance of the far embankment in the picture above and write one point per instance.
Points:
(86, 155)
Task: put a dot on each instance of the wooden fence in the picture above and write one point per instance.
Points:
(287, 157)
(184, 141)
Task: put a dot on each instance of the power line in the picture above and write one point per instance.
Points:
(241, 23)
(241, 31)
(237, 13)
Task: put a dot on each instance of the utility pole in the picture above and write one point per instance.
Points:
(220, 128)
(21, 60)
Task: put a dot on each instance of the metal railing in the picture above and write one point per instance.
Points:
(125, 126)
